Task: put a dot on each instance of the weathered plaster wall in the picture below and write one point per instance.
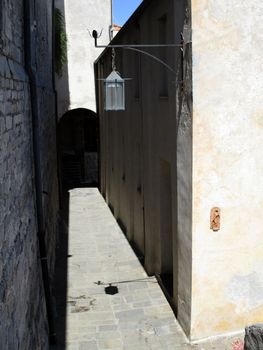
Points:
(76, 88)
(23, 322)
(227, 165)
(184, 171)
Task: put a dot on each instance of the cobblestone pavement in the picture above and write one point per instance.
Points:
(138, 316)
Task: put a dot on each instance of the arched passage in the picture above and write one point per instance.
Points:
(78, 132)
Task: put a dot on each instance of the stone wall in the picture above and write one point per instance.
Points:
(23, 322)
(47, 121)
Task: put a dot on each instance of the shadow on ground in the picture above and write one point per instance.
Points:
(60, 284)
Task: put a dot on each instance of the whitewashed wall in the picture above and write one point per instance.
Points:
(227, 285)
(76, 88)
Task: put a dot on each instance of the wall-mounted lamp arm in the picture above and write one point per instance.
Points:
(95, 35)
(136, 47)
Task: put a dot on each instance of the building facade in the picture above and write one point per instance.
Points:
(181, 166)
(78, 123)
(28, 174)
(76, 86)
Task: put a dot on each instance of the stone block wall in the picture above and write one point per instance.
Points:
(23, 323)
(47, 123)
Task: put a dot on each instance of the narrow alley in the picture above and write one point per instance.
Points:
(138, 316)
(131, 187)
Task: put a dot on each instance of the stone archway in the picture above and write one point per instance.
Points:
(78, 144)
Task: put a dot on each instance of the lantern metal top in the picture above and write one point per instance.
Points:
(113, 77)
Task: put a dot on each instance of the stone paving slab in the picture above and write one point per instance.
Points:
(138, 316)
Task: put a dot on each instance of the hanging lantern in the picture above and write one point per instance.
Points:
(114, 92)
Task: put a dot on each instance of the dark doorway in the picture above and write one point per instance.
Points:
(78, 139)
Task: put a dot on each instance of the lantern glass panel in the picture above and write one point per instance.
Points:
(114, 92)
(120, 96)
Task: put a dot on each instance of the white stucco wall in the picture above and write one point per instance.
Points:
(227, 285)
(76, 88)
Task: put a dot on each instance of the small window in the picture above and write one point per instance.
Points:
(163, 56)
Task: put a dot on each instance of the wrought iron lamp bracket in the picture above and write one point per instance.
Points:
(139, 48)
